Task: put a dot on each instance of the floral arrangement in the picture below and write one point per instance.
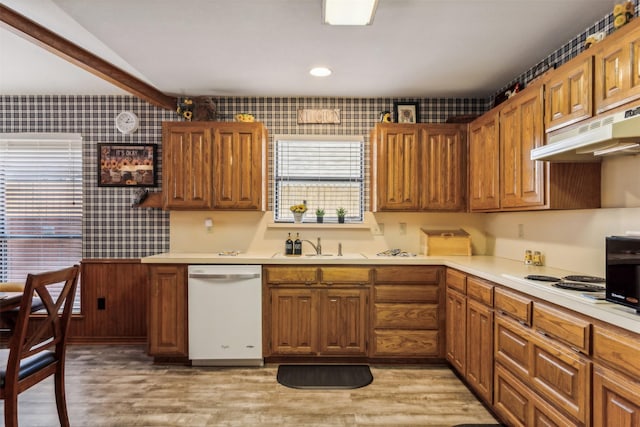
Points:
(301, 208)
(185, 108)
(622, 13)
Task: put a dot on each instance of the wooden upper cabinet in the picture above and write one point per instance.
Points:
(418, 167)
(187, 175)
(394, 162)
(521, 130)
(213, 165)
(445, 168)
(239, 153)
(569, 93)
(617, 68)
(484, 163)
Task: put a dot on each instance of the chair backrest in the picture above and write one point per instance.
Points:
(47, 333)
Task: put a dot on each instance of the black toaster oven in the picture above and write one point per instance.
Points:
(623, 271)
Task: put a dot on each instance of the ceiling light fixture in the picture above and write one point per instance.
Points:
(348, 12)
(320, 72)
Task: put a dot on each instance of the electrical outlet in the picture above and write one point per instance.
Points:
(403, 228)
(520, 231)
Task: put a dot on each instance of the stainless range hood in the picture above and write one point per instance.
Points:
(615, 134)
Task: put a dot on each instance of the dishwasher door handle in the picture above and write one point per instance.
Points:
(224, 276)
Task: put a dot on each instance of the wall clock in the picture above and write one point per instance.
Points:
(127, 122)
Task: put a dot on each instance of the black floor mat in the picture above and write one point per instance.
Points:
(324, 376)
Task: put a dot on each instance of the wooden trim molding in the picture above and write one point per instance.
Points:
(36, 33)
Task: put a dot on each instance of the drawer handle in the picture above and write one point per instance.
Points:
(523, 323)
(543, 333)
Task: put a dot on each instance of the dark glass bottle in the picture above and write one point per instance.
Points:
(288, 246)
(297, 245)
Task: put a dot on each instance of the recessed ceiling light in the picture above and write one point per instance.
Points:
(348, 12)
(320, 72)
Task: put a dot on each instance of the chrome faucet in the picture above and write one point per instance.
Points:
(317, 247)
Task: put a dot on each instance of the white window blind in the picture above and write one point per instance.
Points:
(326, 172)
(40, 204)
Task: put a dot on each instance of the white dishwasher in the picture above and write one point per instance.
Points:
(225, 315)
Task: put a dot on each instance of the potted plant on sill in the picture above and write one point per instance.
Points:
(341, 212)
(319, 215)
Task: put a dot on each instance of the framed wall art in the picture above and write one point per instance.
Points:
(127, 165)
(407, 112)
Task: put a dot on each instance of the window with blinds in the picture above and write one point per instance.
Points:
(326, 172)
(40, 204)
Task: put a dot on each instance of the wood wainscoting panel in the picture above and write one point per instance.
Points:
(114, 302)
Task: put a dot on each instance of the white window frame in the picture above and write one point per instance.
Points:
(354, 215)
(38, 228)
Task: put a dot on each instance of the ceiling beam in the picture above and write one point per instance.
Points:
(36, 33)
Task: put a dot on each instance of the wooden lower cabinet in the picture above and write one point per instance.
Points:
(470, 330)
(456, 330)
(407, 312)
(316, 312)
(555, 373)
(518, 406)
(293, 321)
(479, 357)
(343, 329)
(616, 399)
(167, 311)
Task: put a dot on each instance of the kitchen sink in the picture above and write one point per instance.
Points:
(280, 255)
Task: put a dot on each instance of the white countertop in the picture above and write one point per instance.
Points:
(506, 272)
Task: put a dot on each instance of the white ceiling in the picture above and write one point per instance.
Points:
(415, 48)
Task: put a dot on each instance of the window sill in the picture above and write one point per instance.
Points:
(323, 225)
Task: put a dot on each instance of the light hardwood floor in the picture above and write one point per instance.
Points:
(119, 386)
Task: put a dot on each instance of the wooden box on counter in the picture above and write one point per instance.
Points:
(445, 242)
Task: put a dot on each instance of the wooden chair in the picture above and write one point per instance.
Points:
(38, 345)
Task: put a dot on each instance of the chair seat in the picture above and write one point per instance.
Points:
(28, 365)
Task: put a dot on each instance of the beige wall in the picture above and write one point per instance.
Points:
(572, 240)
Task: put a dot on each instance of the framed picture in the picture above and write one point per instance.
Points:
(127, 165)
(406, 112)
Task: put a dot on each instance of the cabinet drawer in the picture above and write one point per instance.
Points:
(480, 291)
(618, 349)
(406, 343)
(406, 293)
(291, 275)
(457, 280)
(408, 274)
(406, 316)
(513, 305)
(562, 326)
(350, 275)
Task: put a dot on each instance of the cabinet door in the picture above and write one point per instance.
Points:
(343, 327)
(394, 159)
(484, 163)
(238, 166)
(167, 324)
(456, 328)
(187, 175)
(444, 168)
(480, 349)
(568, 93)
(616, 399)
(617, 74)
(521, 130)
(293, 321)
